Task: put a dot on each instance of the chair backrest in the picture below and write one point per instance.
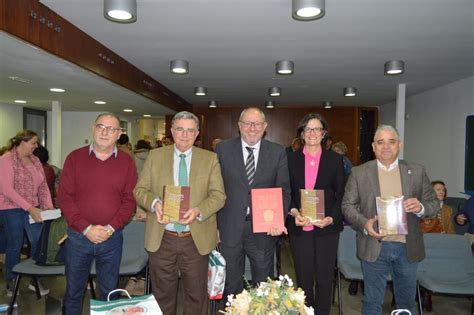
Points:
(447, 252)
(133, 242)
(457, 204)
(347, 261)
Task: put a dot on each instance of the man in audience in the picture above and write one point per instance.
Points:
(182, 246)
(249, 162)
(397, 255)
(96, 198)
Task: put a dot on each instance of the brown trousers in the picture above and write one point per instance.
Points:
(179, 253)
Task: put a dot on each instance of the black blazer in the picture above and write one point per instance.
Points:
(330, 178)
(272, 171)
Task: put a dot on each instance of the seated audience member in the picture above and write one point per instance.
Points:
(43, 155)
(340, 148)
(466, 216)
(214, 143)
(442, 222)
(295, 145)
(141, 153)
(123, 143)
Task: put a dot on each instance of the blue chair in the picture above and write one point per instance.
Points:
(448, 267)
(347, 262)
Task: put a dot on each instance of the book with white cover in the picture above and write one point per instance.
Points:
(48, 215)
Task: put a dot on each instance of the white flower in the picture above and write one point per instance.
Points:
(281, 277)
(259, 292)
(278, 283)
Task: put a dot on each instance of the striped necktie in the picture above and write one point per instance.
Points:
(250, 165)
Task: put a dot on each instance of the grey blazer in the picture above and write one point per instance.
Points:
(358, 206)
(272, 171)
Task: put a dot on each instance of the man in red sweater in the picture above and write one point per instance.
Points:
(95, 196)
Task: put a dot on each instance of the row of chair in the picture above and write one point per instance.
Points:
(448, 267)
(134, 260)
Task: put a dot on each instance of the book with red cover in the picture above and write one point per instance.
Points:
(175, 202)
(267, 209)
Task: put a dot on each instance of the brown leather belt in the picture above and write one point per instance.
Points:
(176, 234)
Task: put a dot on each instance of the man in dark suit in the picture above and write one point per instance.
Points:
(397, 255)
(249, 162)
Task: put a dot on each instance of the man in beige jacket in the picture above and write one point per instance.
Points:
(181, 247)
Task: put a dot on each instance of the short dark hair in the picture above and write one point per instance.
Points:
(142, 144)
(123, 139)
(436, 182)
(42, 154)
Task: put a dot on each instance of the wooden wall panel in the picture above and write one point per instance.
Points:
(282, 124)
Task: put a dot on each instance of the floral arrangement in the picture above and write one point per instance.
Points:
(273, 297)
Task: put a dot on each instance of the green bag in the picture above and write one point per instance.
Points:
(50, 252)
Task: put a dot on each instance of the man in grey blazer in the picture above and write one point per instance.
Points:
(249, 162)
(397, 255)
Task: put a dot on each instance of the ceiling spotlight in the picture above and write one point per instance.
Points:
(327, 104)
(20, 101)
(274, 91)
(212, 104)
(100, 102)
(270, 104)
(307, 10)
(285, 67)
(179, 67)
(120, 11)
(146, 115)
(57, 90)
(350, 91)
(128, 110)
(394, 67)
(200, 91)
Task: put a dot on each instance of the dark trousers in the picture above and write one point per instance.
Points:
(315, 260)
(261, 261)
(80, 253)
(179, 253)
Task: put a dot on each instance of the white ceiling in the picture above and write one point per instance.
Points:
(232, 47)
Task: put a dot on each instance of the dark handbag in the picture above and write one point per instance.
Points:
(51, 250)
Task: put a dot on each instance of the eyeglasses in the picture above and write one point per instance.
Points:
(183, 130)
(110, 129)
(256, 125)
(388, 142)
(315, 130)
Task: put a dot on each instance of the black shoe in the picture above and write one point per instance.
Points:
(353, 286)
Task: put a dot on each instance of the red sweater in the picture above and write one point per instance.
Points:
(94, 192)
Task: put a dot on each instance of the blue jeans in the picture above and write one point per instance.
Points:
(392, 260)
(80, 253)
(15, 222)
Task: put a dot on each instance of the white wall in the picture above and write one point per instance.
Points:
(435, 130)
(11, 121)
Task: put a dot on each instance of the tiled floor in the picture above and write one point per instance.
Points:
(29, 305)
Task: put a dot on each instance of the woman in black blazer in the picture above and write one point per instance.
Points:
(314, 245)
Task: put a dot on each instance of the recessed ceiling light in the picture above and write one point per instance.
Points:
(128, 110)
(57, 90)
(146, 115)
(350, 91)
(179, 66)
(200, 91)
(20, 101)
(212, 104)
(100, 102)
(270, 104)
(274, 91)
(327, 104)
(120, 11)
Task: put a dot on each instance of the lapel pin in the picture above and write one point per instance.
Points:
(409, 172)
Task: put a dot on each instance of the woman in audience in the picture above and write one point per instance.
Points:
(23, 192)
(443, 221)
(141, 153)
(43, 155)
(340, 148)
(314, 244)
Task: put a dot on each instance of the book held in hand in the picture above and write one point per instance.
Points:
(312, 204)
(391, 216)
(267, 209)
(47, 215)
(175, 202)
